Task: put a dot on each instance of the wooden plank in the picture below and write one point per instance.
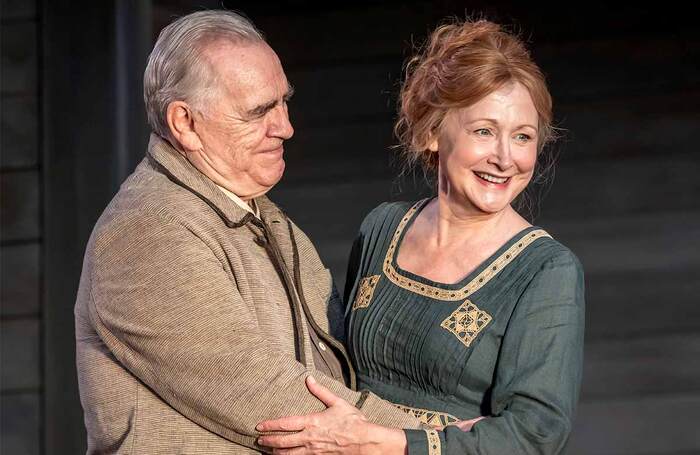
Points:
(19, 131)
(653, 124)
(337, 33)
(20, 354)
(19, 291)
(623, 186)
(637, 242)
(339, 154)
(322, 35)
(18, 9)
(640, 303)
(19, 213)
(84, 171)
(643, 366)
(19, 60)
(341, 94)
(20, 424)
(642, 426)
(589, 70)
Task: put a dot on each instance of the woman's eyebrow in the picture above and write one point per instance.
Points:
(495, 122)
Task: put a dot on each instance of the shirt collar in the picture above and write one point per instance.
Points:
(251, 207)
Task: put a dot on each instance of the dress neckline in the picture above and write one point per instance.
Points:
(471, 283)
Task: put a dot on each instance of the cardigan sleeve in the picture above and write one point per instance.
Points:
(538, 374)
(167, 310)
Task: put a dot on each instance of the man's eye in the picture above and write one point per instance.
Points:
(257, 114)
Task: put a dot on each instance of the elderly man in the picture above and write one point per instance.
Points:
(202, 308)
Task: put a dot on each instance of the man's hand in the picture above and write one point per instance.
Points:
(340, 429)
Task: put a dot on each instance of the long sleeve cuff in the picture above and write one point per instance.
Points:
(423, 442)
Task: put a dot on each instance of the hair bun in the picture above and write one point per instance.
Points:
(461, 63)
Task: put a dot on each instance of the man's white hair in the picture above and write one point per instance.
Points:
(176, 70)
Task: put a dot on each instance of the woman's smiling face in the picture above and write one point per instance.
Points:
(487, 151)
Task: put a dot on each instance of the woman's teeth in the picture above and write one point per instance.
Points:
(492, 178)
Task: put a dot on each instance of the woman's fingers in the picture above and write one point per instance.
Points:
(322, 393)
(466, 425)
(291, 423)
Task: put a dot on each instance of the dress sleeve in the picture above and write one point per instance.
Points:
(358, 253)
(538, 374)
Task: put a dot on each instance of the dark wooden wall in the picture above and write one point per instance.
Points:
(625, 195)
(22, 233)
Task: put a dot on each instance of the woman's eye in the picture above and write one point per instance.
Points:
(522, 137)
(483, 132)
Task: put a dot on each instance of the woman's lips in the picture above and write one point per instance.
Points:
(492, 180)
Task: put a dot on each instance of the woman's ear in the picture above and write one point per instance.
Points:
(433, 142)
(181, 123)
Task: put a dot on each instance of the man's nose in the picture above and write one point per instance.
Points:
(280, 126)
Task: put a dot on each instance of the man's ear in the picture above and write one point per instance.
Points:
(181, 123)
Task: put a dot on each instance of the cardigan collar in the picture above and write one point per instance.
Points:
(180, 170)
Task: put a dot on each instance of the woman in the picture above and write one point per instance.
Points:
(460, 311)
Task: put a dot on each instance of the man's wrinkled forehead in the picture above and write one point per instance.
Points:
(248, 73)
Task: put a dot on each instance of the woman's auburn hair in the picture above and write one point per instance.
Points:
(461, 63)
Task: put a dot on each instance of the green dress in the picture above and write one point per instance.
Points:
(506, 342)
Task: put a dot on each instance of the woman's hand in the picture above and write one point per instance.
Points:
(466, 425)
(340, 429)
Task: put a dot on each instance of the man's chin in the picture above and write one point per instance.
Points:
(271, 176)
(281, 165)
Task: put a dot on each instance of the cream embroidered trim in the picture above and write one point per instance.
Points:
(433, 442)
(432, 418)
(453, 294)
(466, 322)
(365, 292)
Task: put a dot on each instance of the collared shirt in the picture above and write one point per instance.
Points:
(252, 207)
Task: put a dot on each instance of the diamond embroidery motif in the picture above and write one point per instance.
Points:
(364, 294)
(466, 322)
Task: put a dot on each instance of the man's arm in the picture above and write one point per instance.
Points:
(168, 311)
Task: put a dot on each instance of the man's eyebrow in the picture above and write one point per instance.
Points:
(289, 94)
(262, 109)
